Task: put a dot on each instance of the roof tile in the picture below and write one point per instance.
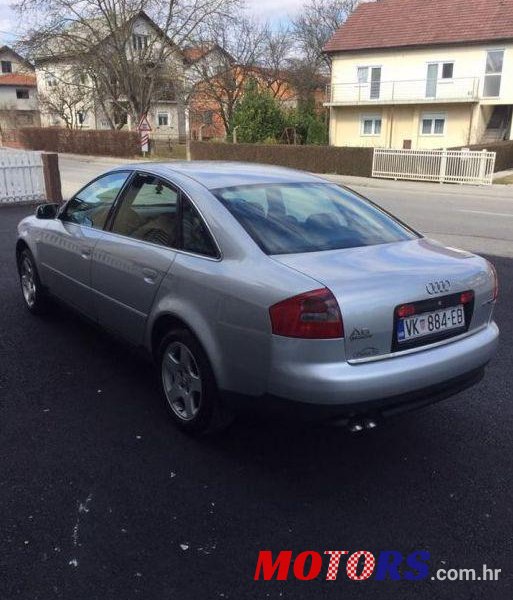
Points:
(397, 23)
(18, 79)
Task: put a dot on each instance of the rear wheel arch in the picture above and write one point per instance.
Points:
(165, 323)
(20, 246)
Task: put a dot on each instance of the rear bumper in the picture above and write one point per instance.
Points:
(335, 383)
(284, 408)
(389, 385)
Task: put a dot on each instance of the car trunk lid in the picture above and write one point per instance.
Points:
(370, 282)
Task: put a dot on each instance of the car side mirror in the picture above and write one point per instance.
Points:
(47, 211)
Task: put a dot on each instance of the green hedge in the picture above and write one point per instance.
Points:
(80, 141)
(317, 159)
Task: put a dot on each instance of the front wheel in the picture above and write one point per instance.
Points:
(33, 293)
(189, 385)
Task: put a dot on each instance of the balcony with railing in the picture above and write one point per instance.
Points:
(463, 89)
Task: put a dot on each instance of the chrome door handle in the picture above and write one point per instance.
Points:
(150, 275)
(85, 254)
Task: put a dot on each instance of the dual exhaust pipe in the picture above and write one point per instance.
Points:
(357, 425)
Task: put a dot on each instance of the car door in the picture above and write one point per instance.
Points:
(68, 241)
(134, 255)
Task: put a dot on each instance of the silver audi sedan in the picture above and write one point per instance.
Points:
(263, 287)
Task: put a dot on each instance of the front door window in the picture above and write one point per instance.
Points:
(91, 206)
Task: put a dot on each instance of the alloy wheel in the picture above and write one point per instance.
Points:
(28, 282)
(181, 379)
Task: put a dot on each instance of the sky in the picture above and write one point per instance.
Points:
(274, 10)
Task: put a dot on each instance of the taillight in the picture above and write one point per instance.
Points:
(495, 281)
(466, 297)
(313, 315)
(406, 310)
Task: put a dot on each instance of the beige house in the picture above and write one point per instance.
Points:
(417, 74)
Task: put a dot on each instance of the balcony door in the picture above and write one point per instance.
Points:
(493, 73)
(431, 80)
(375, 83)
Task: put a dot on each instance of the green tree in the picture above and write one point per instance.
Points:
(310, 125)
(258, 116)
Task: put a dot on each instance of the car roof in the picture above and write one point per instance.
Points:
(220, 174)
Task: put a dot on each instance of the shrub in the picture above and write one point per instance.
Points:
(257, 116)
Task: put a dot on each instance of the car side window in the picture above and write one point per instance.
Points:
(195, 236)
(91, 205)
(149, 212)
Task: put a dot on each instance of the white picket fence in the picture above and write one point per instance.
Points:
(21, 176)
(443, 166)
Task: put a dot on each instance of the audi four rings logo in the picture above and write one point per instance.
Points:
(438, 287)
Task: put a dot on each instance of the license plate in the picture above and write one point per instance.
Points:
(430, 323)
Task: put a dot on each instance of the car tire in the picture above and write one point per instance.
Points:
(189, 386)
(32, 290)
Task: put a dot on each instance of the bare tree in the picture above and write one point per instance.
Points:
(220, 83)
(316, 23)
(65, 98)
(307, 79)
(276, 61)
(128, 48)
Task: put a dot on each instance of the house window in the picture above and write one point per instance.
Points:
(6, 66)
(433, 124)
(163, 119)
(51, 81)
(22, 94)
(493, 73)
(81, 117)
(208, 117)
(447, 70)
(139, 42)
(362, 74)
(371, 125)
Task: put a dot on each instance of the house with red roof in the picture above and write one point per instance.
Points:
(422, 74)
(18, 91)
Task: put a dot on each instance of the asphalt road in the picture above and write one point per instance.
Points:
(102, 499)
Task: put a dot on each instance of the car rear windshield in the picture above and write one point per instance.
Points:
(289, 218)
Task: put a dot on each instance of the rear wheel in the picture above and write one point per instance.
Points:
(33, 293)
(189, 385)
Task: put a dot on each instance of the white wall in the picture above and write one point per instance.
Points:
(8, 98)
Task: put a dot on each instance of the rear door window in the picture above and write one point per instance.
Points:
(195, 236)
